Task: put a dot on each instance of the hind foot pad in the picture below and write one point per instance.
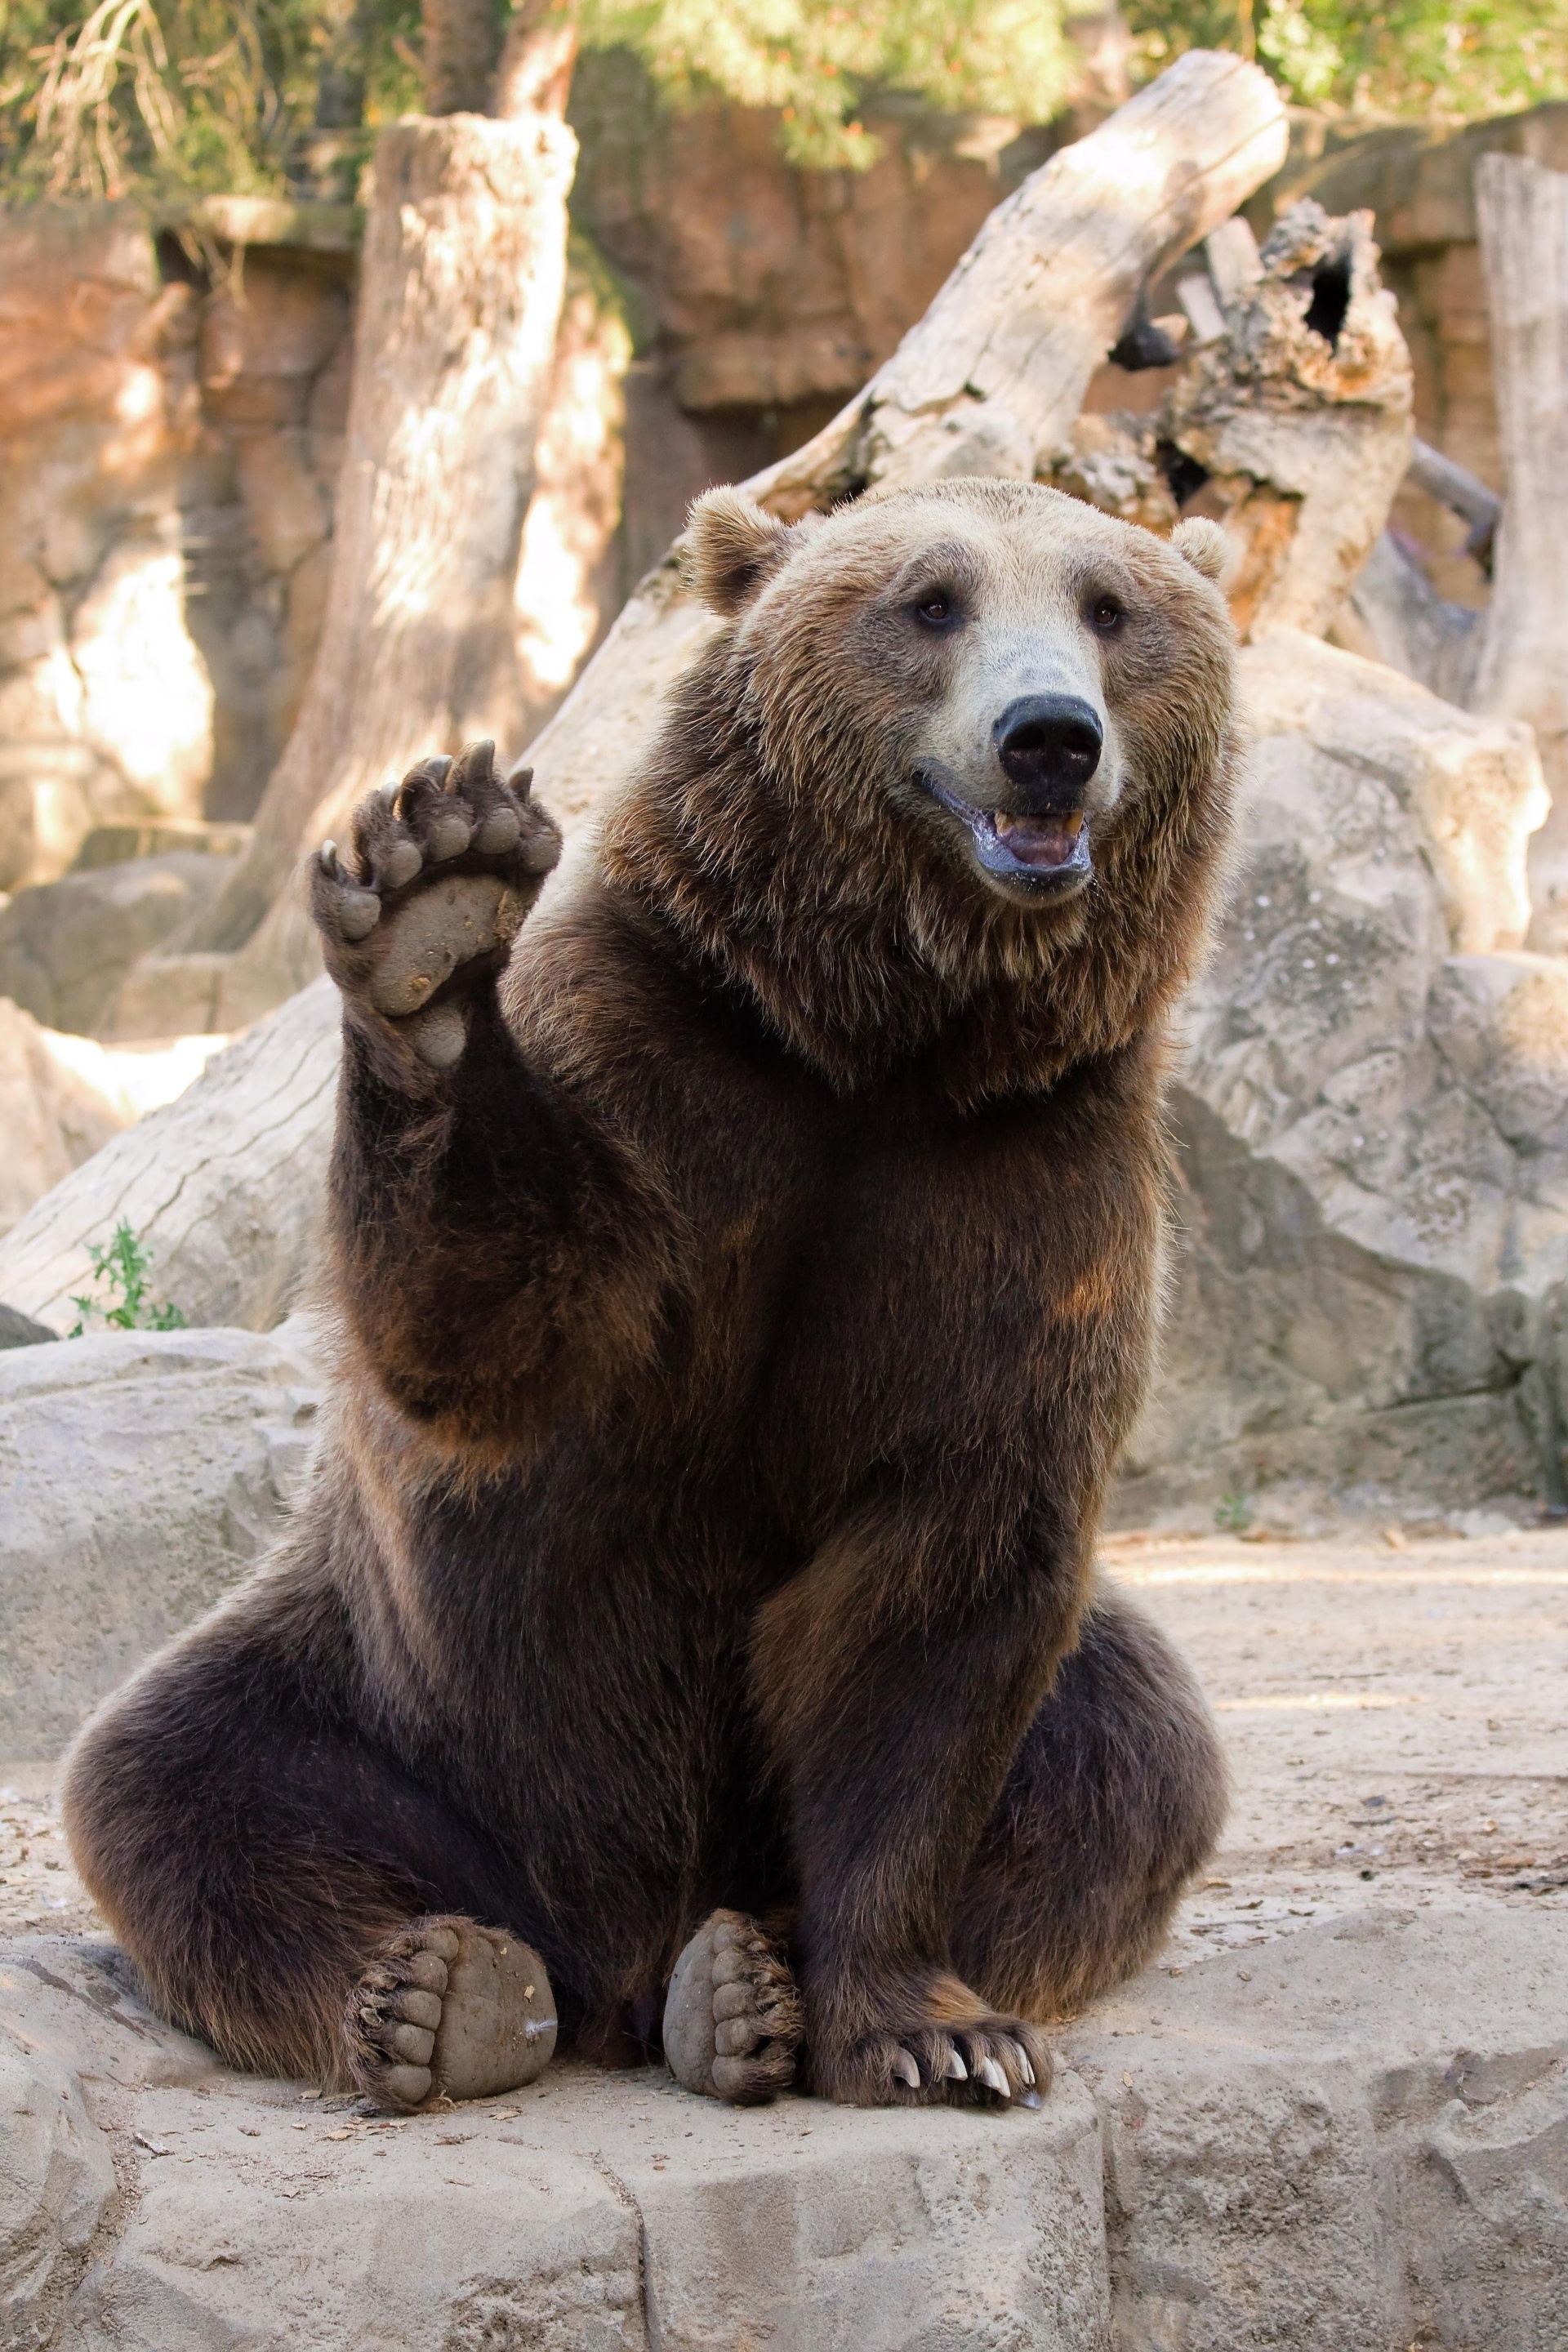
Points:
(733, 2016)
(449, 2009)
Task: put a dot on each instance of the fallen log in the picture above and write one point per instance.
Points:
(1463, 493)
(1394, 613)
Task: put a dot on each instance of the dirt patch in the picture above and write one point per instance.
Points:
(1393, 1709)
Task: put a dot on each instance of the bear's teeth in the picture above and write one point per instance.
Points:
(1070, 822)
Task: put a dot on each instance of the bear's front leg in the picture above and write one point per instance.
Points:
(895, 1677)
(420, 915)
(491, 1240)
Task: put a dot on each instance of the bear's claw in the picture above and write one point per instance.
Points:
(994, 2062)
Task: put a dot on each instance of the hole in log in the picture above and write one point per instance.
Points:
(1143, 344)
(1184, 477)
(1331, 300)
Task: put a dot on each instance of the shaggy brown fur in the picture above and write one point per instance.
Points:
(743, 1301)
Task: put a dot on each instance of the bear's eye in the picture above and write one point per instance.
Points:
(1106, 615)
(936, 609)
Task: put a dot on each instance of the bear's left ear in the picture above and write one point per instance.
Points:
(731, 547)
(1203, 544)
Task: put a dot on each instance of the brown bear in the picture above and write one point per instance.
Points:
(743, 1281)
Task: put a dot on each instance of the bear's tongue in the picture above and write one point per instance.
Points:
(1039, 840)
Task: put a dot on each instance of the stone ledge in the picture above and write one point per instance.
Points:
(1355, 2137)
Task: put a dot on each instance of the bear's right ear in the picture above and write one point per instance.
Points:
(1204, 545)
(731, 547)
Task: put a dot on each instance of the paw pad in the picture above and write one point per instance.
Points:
(733, 2016)
(443, 869)
(449, 2010)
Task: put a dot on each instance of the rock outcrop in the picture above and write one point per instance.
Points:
(66, 945)
(141, 1472)
(1345, 2142)
(105, 707)
(1374, 1180)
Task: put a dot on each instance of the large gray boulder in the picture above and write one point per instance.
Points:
(1352, 2137)
(1374, 1150)
(66, 945)
(1384, 833)
(141, 1473)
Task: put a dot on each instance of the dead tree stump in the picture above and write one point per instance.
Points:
(1295, 423)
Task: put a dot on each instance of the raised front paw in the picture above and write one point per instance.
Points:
(427, 901)
(449, 2009)
(983, 2061)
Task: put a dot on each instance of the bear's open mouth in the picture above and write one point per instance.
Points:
(1046, 853)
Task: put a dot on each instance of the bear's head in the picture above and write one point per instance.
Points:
(959, 768)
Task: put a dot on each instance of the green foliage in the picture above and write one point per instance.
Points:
(815, 61)
(1233, 1513)
(174, 97)
(1447, 61)
(120, 1268)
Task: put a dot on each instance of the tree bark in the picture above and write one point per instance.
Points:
(533, 75)
(463, 270)
(1523, 670)
(462, 42)
(989, 381)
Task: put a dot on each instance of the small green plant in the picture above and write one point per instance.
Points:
(1233, 1513)
(120, 1268)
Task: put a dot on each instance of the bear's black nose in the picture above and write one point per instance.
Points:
(1049, 746)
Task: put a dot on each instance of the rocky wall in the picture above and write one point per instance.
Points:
(105, 709)
(266, 362)
(764, 297)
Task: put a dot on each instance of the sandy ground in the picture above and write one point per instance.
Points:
(1394, 1709)
(1392, 1704)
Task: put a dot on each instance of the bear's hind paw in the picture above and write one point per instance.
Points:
(733, 2016)
(449, 2009)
